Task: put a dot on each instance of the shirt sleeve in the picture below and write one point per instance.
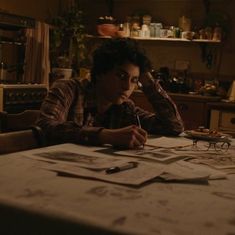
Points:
(54, 116)
(166, 119)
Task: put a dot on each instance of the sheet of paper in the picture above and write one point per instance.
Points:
(73, 154)
(91, 163)
(160, 149)
(74, 158)
(169, 142)
(151, 153)
(186, 171)
(135, 176)
(215, 159)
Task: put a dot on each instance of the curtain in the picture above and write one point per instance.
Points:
(37, 64)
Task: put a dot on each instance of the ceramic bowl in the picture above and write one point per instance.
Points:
(107, 29)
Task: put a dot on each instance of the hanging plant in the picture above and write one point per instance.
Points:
(67, 41)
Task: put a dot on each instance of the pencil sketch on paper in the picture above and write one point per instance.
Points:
(88, 161)
(67, 156)
(218, 161)
(152, 153)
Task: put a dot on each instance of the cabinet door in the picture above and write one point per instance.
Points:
(192, 113)
(223, 121)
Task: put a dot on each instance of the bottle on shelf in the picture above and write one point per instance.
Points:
(126, 28)
(145, 31)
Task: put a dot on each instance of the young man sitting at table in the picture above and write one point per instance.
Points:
(100, 111)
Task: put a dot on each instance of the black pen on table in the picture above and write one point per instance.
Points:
(126, 166)
(138, 123)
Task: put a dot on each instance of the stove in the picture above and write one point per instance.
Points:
(15, 98)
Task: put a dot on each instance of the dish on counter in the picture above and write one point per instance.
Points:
(208, 135)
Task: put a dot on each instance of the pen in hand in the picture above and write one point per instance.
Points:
(138, 123)
(138, 120)
(115, 169)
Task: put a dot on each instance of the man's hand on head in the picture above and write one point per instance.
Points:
(146, 79)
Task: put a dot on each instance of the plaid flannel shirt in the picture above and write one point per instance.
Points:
(69, 114)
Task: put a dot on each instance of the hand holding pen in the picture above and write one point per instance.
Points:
(131, 137)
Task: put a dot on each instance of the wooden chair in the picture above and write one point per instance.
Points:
(20, 140)
(18, 121)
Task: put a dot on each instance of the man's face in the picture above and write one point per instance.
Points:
(119, 83)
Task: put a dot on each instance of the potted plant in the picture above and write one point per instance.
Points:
(67, 46)
(62, 67)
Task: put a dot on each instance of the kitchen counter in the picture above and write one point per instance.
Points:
(196, 96)
(193, 108)
(222, 105)
(189, 96)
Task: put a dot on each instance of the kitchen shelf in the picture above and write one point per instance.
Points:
(162, 39)
(12, 43)
(177, 40)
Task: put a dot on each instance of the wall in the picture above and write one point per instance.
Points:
(168, 12)
(39, 10)
(165, 11)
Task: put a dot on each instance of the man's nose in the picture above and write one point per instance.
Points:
(126, 84)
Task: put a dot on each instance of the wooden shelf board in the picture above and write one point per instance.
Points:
(162, 39)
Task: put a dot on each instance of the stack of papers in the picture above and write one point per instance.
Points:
(83, 162)
(163, 158)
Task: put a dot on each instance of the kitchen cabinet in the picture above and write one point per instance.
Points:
(222, 117)
(193, 108)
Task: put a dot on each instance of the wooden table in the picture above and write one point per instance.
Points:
(37, 201)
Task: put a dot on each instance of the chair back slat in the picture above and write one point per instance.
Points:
(18, 141)
(18, 121)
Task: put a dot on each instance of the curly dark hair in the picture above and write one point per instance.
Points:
(115, 52)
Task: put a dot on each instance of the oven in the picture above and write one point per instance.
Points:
(15, 98)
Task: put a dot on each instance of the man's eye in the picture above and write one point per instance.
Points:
(122, 76)
(134, 80)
